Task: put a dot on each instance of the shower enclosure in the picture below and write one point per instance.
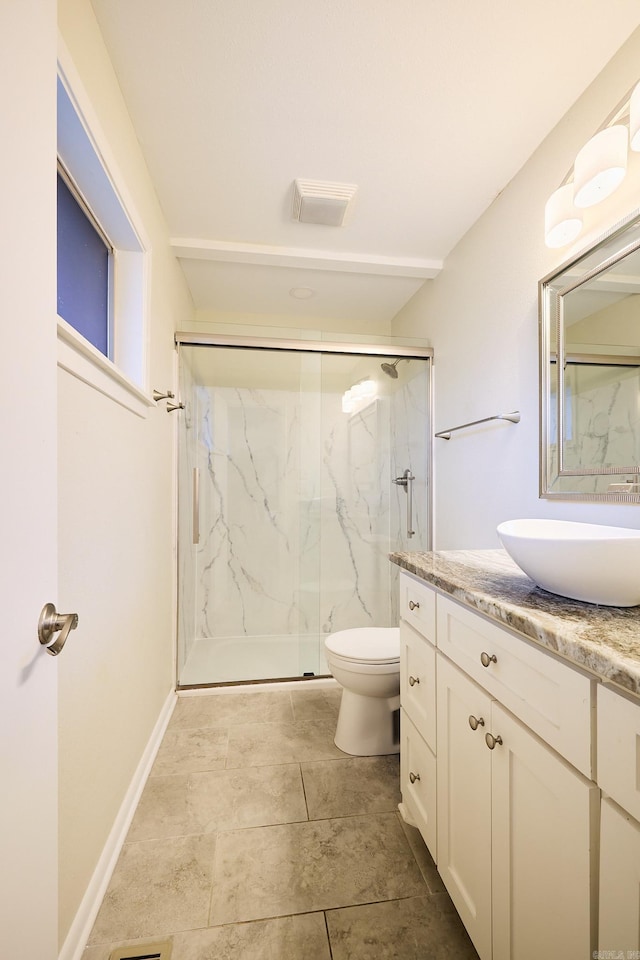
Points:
(301, 466)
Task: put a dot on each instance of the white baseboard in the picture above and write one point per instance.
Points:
(80, 930)
(406, 815)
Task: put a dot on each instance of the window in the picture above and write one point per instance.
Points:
(102, 257)
(84, 268)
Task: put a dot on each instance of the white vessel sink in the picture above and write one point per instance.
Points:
(583, 561)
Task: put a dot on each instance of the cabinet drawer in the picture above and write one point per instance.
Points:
(418, 682)
(418, 605)
(418, 781)
(550, 697)
(619, 748)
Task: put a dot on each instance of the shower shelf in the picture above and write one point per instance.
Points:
(512, 417)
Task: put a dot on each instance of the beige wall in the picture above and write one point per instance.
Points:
(616, 326)
(480, 314)
(116, 508)
(253, 324)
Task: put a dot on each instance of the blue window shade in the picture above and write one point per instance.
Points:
(83, 271)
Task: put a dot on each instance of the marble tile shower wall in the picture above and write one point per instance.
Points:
(604, 421)
(297, 512)
(295, 539)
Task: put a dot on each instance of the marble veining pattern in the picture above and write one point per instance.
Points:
(602, 426)
(604, 640)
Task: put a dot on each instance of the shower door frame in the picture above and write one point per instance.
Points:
(348, 348)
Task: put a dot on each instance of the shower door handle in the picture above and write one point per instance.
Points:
(196, 504)
(406, 481)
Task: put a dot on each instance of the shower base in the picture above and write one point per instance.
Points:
(243, 659)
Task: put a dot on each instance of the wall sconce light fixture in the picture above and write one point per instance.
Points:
(562, 219)
(600, 166)
(599, 169)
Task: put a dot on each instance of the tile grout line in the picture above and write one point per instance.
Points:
(326, 926)
(304, 792)
(213, 880)
(217, 834)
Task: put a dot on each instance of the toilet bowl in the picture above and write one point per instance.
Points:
(366, 662)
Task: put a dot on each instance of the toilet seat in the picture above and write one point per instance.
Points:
(373, 645)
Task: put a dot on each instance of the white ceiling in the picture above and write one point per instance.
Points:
(429, 107)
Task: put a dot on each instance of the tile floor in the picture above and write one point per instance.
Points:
(257, 839)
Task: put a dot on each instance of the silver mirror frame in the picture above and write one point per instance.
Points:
(551, 291)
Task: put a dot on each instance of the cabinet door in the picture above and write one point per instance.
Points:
(418, 681)
(544, 822)
(619, 882)
(619, 748)
(464, 800)
(418, 781)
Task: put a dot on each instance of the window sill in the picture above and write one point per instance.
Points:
(83, 361)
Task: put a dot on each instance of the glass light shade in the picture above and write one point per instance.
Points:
(348, 402)
(600, 166)
(358, 396)
(368, 389)
(562, 221)
(634, 119)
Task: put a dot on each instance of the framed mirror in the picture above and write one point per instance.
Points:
(590, 372)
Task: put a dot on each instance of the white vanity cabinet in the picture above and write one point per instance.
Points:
(619, 778)
(515, 823)
(418, 708)
(516, 819)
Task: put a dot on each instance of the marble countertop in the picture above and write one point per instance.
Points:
(604, 640)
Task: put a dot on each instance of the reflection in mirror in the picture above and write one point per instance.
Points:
(590, 372)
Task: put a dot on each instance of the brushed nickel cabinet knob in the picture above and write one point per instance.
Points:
(491, 741)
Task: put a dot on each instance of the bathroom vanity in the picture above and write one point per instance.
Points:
(520, 754)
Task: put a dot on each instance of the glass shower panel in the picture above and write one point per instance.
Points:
(247, 453)
(287, 506)
(355, 494)
(410, 449)
(375, 427)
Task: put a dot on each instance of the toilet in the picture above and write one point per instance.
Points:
(366, 662)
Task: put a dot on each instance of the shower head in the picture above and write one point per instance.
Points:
(390, 368)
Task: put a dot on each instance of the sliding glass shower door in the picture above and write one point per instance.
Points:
(287, 505)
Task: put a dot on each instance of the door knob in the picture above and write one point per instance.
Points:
(52, 622)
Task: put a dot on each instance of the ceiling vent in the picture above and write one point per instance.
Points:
(326, 203)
